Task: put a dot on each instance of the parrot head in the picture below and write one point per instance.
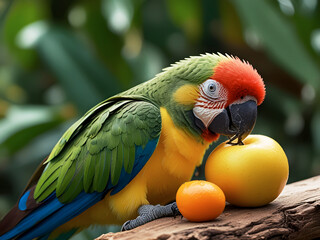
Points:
(221, 93)
(228, 100)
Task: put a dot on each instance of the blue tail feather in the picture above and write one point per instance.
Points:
(23, 201)
(51, 215)
(33, 218)
(64, 214)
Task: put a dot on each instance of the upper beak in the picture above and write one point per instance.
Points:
(236, 121)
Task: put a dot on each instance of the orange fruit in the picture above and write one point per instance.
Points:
(200, 201)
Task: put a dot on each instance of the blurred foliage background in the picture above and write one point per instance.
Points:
(59, 58)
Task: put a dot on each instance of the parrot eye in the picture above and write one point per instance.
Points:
(210, 88)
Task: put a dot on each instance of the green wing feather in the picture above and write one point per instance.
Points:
(95, 149)
(112, 103)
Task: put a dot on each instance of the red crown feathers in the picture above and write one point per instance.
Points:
(240, 79)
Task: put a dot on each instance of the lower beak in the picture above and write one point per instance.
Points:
(236, 121)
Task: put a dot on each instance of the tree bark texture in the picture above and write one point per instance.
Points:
(295, 214)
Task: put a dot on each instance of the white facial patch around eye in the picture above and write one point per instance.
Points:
(211, 102)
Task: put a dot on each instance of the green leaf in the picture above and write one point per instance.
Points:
(22, 124)
(279, 37)
(5, 8)
(21, 14)
(106, 42)
(84, 79)
(315, 127)
(187, 15)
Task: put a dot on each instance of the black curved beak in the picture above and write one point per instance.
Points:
(236, 121)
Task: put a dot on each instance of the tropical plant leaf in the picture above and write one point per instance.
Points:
(85, 81)
(22, 124)
(279, 38)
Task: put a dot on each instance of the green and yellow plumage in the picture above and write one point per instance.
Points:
(99, 145)
(132, 149)
(100, 139)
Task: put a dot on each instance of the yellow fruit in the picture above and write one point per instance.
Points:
(200, 201)
(250, 175)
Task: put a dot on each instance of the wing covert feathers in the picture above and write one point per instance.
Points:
(92, 153)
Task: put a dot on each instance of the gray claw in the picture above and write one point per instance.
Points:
(148, 213)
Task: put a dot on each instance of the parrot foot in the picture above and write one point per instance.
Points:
(148, 213)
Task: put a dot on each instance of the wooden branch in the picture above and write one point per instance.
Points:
(295, 214)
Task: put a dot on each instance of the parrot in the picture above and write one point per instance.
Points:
(124, 160)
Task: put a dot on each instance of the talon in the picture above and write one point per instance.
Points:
(232, 139)
(238, 136)
(175, 210)
(240, 142)
(124, 226)
(148, 213)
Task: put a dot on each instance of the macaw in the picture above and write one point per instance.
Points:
(124, 160)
